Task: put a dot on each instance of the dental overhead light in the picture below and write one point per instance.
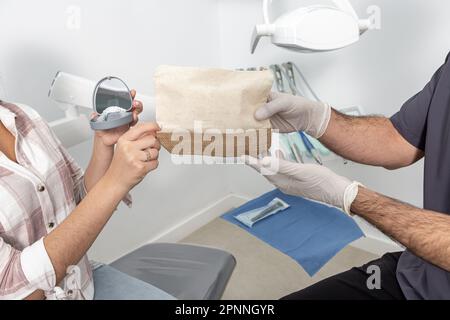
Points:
(315, 28)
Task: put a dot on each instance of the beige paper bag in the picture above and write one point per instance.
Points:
(210, 112)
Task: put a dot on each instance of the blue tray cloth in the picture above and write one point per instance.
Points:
(308, 232)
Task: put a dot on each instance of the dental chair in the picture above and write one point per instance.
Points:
(187, 272)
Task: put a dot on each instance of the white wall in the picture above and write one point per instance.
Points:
(379, 73)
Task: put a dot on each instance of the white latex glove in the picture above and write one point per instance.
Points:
(289, 113)
(309, 181)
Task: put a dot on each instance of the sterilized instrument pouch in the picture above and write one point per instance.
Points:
(210, 112)
(254, 216)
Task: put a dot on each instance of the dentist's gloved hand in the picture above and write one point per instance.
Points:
(289, 113)
(309, 181)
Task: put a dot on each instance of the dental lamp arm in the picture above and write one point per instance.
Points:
(345, 5)
(266, 5)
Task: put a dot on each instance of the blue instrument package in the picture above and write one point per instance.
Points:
(308, 232)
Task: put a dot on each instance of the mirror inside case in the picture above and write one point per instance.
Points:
(113, 103)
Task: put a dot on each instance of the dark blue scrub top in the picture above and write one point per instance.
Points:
(424, 121)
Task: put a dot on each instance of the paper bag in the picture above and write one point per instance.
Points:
(210, 112)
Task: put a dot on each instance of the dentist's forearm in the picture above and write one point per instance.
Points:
(369, 140)
(102, 156)
(425, 233)
(70, 241)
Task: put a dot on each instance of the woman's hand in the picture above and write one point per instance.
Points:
(110, 137)
(104, 143)
(136, 154)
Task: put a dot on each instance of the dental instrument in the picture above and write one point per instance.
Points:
(309, 92)
(315, 28)
(295, 149)
(256, 215)
(269, 210)
(284, 146)
(291, 77)
(311, 149)
(289, 70)
(290, 67)
(278, 77)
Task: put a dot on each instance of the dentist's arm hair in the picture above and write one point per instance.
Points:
(423, 232)
(369, 140)
(376, 141)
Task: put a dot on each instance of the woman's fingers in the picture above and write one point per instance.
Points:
(135, 119)
(138, 107)
(146, 142)
(140, 130)
(152, 165)
(149, 155)
(157, 145)
(137, 110)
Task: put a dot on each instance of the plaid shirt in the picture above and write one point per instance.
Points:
(36, 195)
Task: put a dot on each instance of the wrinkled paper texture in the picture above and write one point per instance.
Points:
(210, 112)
